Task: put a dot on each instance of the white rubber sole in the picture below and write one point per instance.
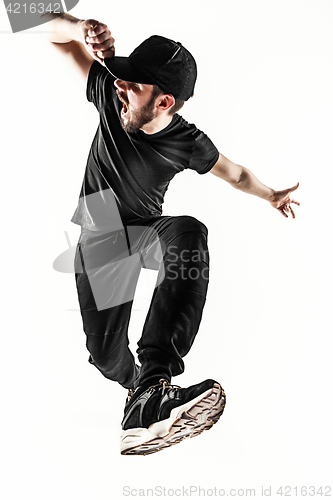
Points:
(188, 420)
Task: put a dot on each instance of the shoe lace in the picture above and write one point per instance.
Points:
(162, 384)
(165, 386)
(130, 394)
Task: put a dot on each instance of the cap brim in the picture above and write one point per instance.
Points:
(121, 68)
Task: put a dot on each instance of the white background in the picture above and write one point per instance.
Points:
(264, 96)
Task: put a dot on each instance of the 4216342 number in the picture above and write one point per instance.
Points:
(33, 8)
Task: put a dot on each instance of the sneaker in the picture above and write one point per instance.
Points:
(162, 415)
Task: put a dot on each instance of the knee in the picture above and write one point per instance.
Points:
(187, 223)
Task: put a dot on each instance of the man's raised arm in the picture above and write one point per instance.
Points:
(81, 41)
(242, 178)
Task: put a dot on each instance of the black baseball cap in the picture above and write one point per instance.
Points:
(158, 61)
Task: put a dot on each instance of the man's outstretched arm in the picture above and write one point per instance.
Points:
(81, 41)
(242, 178)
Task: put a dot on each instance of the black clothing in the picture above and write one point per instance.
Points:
(175, 311)
(136, 167)
(125, 181)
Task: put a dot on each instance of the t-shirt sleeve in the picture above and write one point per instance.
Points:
(100, 86)
(204, 153)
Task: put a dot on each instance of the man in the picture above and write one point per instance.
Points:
(140, 145)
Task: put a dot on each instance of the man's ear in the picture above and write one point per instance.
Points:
(165, 102)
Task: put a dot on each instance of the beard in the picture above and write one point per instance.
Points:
(137, 118)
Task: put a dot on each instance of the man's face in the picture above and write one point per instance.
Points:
(138, 104)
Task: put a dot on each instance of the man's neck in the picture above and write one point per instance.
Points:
(157, 124)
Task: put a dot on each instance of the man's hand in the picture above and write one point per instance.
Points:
(282, 202)
(97, 39)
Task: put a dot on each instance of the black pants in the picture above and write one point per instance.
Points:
(106, 277)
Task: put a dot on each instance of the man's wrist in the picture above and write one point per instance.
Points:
(77, 24)
(64, 27)
(270, 194)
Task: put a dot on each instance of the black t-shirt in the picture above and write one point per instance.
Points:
(129, 173)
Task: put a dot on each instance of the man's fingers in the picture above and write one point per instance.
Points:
(97, 29)
(100, 40)
(296, 202)
(97, 56)
(294, 187)
(106, 53)
(106, 35)
(286, 192)
(107, 45)
(91, 23)
(282, 212)
(286, 209)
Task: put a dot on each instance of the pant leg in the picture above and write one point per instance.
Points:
(176, 307)
(106, 328)
(177, 303)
